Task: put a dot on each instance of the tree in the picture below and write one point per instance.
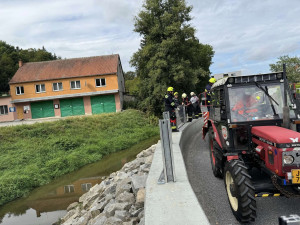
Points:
(292, 67)
(169, 54)
(9, 59)
(130, 75)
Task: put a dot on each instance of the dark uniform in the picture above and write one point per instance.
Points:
(208, 95)
(170, 107)
(189, 108)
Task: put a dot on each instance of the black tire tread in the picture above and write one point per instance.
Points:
(246, 211)
(217, 168)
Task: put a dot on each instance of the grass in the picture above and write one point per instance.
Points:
(33, 155)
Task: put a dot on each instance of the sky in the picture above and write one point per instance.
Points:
(246, 35)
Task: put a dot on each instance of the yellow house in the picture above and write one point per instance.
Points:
(68, 87)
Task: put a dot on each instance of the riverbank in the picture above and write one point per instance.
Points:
(33, 155)
(119, 199)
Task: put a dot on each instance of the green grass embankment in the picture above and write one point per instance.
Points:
(33, 155)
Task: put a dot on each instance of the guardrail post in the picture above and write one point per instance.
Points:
(168, 173)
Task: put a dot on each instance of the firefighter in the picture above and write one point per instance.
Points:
(170, 107)
(208, 93)
(196, 107)
(176, 99)
(188, 106)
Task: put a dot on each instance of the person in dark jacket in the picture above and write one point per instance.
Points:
(208, 93)
(170, 107)
(176, 99)
(188, 106)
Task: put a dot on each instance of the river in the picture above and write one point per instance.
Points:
(46, 204)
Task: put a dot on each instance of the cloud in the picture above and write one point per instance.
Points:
(245, 35)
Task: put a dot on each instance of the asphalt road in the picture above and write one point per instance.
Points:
(212, 196)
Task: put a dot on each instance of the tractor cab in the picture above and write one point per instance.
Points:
(240, 103)
(254, 125)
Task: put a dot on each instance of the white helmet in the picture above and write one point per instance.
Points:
(183, 95)
(193, 93)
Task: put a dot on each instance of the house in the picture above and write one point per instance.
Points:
(7, 109)
(80, 86)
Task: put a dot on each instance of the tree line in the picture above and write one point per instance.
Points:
(9, 61)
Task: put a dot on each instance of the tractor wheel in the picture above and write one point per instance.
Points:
(216, 163)
(240, 191)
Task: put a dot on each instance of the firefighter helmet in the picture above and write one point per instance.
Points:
(183, 95)
(193, 93)
(176, 93)
(170, 88)
(212, 80)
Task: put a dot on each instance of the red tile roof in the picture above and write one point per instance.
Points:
(66, 68)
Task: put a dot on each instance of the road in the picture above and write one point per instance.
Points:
(212, 196)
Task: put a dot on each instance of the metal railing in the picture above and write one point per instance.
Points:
(168, 173)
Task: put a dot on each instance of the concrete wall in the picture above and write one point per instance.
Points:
(11, 115)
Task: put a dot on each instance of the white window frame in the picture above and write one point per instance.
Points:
(69, 189)
(40, 85)
(57, 85)
(19, 88)
(75, 84)
(100, 79)
(5, 112)
(86, 187)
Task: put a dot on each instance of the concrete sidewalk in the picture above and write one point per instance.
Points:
(172, 203)
(30, 121)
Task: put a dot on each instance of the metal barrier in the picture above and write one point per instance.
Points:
(168, 173)
(180, 116)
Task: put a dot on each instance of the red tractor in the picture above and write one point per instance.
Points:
(253, 128)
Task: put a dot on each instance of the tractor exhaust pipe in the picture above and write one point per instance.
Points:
(286, 109)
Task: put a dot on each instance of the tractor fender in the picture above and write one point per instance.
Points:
(216, 134)
(232, 157)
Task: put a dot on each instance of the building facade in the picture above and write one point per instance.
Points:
(7, 109)
(81, 86)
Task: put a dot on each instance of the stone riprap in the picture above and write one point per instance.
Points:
(119, 199)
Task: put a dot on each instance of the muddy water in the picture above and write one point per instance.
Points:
(45, 205)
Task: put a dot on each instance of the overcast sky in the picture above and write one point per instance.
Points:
(246, 35)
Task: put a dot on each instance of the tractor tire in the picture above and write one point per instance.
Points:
(240, 191)
(216, 163)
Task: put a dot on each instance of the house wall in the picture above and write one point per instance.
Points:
(88, 84)
(11, 115)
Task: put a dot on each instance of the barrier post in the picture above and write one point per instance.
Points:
(168, 173)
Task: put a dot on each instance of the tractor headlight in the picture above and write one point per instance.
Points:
(288, 159)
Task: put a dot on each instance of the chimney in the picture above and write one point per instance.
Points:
(20, 63)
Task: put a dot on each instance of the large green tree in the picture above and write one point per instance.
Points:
(10, 56)
(169, 53)
(292, 67)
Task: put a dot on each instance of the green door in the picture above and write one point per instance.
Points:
(71, 107)
(42, 109)
(103, 104)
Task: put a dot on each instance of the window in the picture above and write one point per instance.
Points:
(40, 88)
(57, 86)
(69, 188)
(75, 84)
(86, 187)
(3, 110)
(100, 82)
(19, 90)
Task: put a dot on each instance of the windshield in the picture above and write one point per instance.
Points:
(257, 102)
